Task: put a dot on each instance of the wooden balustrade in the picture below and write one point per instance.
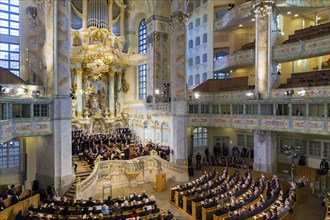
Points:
(10, 212)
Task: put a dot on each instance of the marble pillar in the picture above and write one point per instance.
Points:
(265, 154)
(177, 87)
(79, 92)
(158, 55)
(54, 152)
(111, 94)
(265, 69)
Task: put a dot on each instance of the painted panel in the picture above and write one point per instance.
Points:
(220, 122)
(6, 131)
(243, 122)
(274, 124)
(198, 121)
(31, 128)
(309, 3)
(307, 125)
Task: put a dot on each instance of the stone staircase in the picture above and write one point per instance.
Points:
(83, 171)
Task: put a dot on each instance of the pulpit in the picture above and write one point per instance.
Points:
(161, 182)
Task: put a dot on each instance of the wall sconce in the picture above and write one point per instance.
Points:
(38, 93)
(197, 95)
(157, 91)
(289, 92)
(302, 93)
(4, 89)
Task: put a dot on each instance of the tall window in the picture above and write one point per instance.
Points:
(197, 79)
(191, 26)
(200, 137)
(204, 57)
(9, 154)
(204, 76)
(143, 67)
(190, 80)
(197, 41)
(204, 18)
(197, 60)
(142, 81)
(190, 44)
(197, 22)
(9, 35)
(205, 38)
(190, 62)
(143, 37)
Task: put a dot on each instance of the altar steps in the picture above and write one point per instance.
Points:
(83, 171)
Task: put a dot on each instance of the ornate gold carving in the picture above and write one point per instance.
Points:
(76, 39)
(148, 116)
(73, 88)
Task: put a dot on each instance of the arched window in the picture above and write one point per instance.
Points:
(204, 76)
(204, 57)
(9, 40)
(197, 41)
(190, 44)
(197, 79)
(204, 18)
(197, 60)
(205, 38)
(197, 22)
(200, 137)
(142, 68)
(143, 37)
(9, 154)
(165, 133)
(190, 80)
(190, 62)
(191, 25)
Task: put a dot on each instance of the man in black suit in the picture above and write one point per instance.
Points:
(116, 208)
(169, 215)
(90, 202)
(155, 210)
(324, 167)
(145, 211)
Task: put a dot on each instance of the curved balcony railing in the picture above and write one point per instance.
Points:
(309, 3)
(298, 124)
(236, 60)
(122, 173)
(317, 46)
(236, 15)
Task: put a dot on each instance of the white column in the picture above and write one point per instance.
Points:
(111, 93)
(120, 93)
(79, 92)
(320, 63)
(265, 155)
(84, 13)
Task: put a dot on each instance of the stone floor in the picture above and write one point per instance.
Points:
(311, 210)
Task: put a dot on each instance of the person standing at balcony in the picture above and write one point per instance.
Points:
(198, 161)
(324, 167)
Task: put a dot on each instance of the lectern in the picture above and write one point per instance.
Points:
(160, 182)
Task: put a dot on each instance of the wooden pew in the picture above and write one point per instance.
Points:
(8, 202)
(10, 212)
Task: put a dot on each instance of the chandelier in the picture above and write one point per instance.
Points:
(263, 8)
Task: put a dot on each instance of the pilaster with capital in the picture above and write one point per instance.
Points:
(119, 88)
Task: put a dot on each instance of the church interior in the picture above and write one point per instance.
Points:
(165, 109)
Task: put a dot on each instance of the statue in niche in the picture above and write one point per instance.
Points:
(117, 108)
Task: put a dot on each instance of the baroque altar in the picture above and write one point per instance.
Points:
(99, 60)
